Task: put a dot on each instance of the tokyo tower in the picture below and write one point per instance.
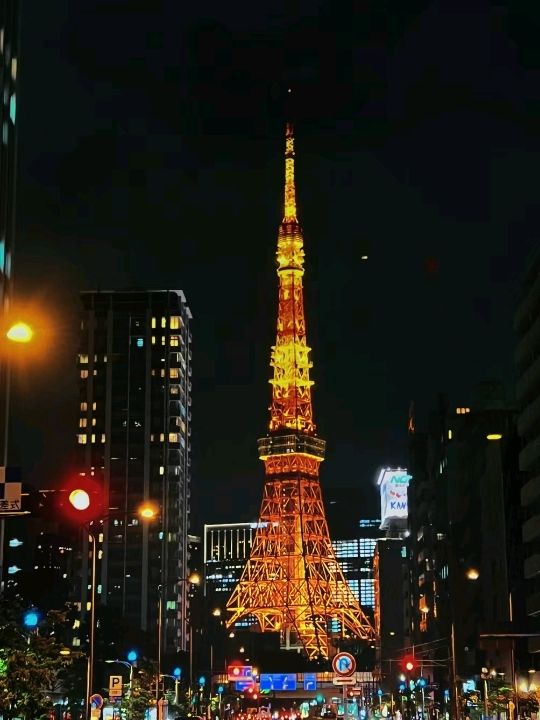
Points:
(292, 582)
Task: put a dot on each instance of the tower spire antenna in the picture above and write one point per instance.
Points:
(289, 214)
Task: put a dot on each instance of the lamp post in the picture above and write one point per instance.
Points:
(91, 625)
(193, 579)
(19, 333)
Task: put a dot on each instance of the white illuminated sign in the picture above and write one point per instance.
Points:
(393, 483)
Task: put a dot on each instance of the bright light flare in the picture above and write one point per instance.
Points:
(80, 499)
(494, 436)
(20, 332)
(472, 573)
(148, 511)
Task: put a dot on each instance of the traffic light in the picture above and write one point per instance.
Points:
(421, 682)
(81, 500)
(31, 618)
(408, 663)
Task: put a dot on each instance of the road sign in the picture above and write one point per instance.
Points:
(239, 672)
(310, 681)
(10, 490)
(96, 701)
(115, 686)
(343, 680)
(243, 685)
(343, 664)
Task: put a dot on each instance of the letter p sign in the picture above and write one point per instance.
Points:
(115, 686)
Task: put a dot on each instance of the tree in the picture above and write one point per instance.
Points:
(31, 664)
(142, 694)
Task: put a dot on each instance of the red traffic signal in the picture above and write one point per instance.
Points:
(408, 663)
(81, 500)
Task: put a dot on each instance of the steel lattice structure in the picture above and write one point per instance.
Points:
(292, 581)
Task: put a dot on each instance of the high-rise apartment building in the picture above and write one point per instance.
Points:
(134, 436)
(464, 545)
(9, 14)
(527, 327)
(9, 46)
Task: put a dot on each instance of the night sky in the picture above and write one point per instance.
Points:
(150, 148)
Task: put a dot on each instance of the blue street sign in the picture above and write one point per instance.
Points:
(243, 684)
(310, 681)
(277, 681)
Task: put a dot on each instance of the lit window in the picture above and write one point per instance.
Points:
(174, 373)
(140, 342)
(83, 359)
(93, 438)
(449, 434)
(153, 339)
(13, 69)
(163, 322)
(174, 437)
(163, 339)
(162, 372)
(82, 422)
(162, 437)
(13, 107)
(161, 470)
(100, 537)
(175, 341)
(103, 437)
(84, 406)
(153, 322)
(176, 322)
(95, 371)
(81, 439)
(84, 374)
(94, 405)
(93, 422)
(175, 390)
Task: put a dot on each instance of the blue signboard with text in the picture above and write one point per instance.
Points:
(243, 684)
(278, 681)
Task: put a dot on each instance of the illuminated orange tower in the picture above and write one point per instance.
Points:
(292, 581)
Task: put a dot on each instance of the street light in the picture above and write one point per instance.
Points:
(176, 676)
(472, 573)
(20, 332)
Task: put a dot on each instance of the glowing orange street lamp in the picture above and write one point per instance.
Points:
(472, 574)
(20, 332)
(148, 511)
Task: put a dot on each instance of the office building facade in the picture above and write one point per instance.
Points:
(133, 436)
(9, 15)
(464, 546)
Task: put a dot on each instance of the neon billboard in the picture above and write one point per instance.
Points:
(393, 484)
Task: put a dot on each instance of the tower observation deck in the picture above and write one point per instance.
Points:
(292, 582)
